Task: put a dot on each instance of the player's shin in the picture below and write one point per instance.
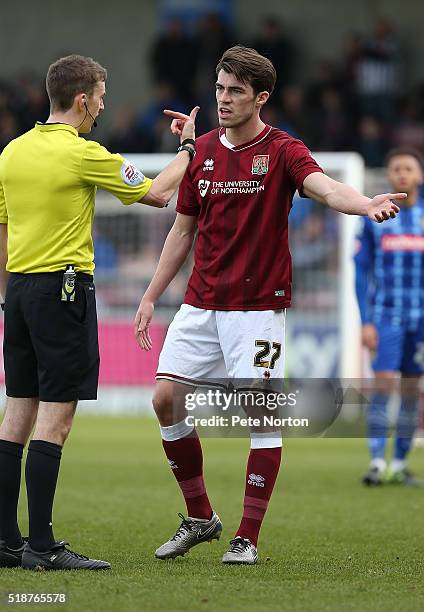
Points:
(184, 452)
(378, 426)
(405, 429)
(262, 471)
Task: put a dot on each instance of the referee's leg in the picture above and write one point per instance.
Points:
(54, 422)
(20, 367)
(15, 430)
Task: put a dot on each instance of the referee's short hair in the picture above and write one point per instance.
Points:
(69, 76)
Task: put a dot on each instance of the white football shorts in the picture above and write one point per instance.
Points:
(216, 344)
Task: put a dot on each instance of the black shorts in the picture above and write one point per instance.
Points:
(50, 347)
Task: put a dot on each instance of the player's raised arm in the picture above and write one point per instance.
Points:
(174, 253)
(345, 199)
(166, 183)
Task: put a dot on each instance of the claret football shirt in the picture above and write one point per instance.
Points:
(242, 197)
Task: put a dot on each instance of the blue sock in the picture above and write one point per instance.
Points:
(405, 427)
(378, 425)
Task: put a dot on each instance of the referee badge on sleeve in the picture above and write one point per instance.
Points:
(130, 174)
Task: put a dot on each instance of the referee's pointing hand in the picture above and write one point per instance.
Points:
(183, 125)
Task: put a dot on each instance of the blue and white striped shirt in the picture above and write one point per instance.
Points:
(390, 268)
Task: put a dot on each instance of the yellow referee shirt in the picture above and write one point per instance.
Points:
(48, 181)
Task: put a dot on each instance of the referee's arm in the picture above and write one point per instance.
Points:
(167, 182)
(3, 261)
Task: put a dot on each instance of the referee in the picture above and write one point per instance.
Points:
(48, 181)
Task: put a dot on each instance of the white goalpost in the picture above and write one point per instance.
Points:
(349, 168)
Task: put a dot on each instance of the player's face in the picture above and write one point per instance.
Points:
(236, 101)
(404, 173)
(95, 105)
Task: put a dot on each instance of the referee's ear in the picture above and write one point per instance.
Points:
(80, 100)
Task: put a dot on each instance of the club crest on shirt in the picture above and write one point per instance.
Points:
(130, 174)
(260, 164)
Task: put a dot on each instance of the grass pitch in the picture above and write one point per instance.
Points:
(327, 543)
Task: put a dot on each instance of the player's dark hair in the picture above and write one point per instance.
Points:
(404, 150)
(249, 66)
(69, 76)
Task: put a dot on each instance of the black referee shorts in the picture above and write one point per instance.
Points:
(50, 347)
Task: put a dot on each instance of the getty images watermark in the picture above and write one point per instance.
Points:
(331, 407)
(259, 409)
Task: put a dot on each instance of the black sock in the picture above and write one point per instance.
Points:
(10, 483)
(41, 472)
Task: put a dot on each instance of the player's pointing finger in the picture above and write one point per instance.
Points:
(194, 112)
(171, 113)
(396, 196)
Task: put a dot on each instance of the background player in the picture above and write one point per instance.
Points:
(48, 181)
(237, 195)
(390, 293)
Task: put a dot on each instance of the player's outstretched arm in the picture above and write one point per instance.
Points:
(174, 253)
(345, 199)
(167, 182)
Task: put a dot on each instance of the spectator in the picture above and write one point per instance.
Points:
(325, 74)
(212, 37)
(353, 50)
(163, 138)
(332, 123)
(9, 128)
(174, 60)
(105, 256)
(129, 137)
(151, 117)
(273, 43)
(377, 72)
(410, 130)
(31, 100)
(271, 115)
(295, 116)
(372, 144)
(310, 247)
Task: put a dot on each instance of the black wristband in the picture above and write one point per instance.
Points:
(2, 306)
(188, 141)
(190, 151)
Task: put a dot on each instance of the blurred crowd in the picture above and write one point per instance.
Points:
(356, 102)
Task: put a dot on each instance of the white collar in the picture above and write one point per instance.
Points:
(224, 140)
